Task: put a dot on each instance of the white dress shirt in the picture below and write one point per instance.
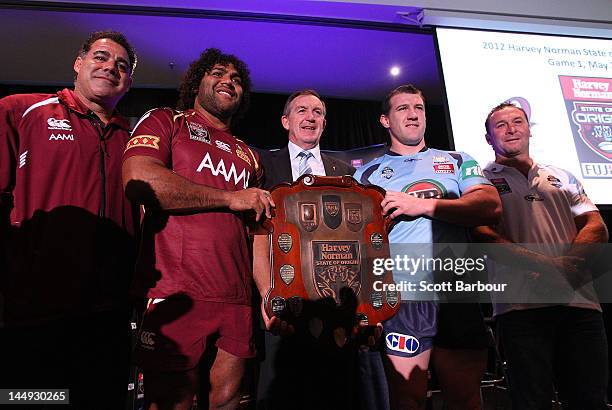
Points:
(315, 162)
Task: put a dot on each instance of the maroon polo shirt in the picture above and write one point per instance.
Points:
(67, 238)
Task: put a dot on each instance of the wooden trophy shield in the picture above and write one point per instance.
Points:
(324, 236)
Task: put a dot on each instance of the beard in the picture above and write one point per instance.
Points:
(211, 102)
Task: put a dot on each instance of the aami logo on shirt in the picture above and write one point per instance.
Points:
(61, 137)
(402, 343)
(220, 169)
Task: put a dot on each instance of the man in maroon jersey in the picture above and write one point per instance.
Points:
(196, 182)
(66, 249)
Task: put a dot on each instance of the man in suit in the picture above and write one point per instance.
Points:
(294, 363)
(304, 119)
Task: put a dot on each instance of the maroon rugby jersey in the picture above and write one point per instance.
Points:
(67, 249)
(205, 254)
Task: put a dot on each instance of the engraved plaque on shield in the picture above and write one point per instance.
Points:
(287, 273)
(332, 214)
(278, 304)
(309, 217)
(377, 240)
(337, 264)
(354, 216)
(377, 299)
(285, 242)
(392, 297)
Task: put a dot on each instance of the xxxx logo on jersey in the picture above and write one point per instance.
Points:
(149, 141)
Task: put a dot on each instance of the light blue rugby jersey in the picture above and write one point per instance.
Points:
(430, 173)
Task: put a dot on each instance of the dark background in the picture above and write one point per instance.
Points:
(350, 123)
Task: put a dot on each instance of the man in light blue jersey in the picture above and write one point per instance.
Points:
(433, 196)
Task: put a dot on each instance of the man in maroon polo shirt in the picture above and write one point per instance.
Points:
(196, 182)
(65, 232)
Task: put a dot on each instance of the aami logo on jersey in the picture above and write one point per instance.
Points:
(221, 169)
(61, 137)
(425, 188)
(61, 124)
(402, 343)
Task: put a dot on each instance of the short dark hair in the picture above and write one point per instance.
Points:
(300, 93)
(500, 107)
(197, 69)
(118, 38)
(402, 89)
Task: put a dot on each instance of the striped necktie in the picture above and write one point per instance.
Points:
(303, 167)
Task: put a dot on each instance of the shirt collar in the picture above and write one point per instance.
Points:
(294, 151)
(496, 167)
(395, 154)
(68, 97)
(192, 112)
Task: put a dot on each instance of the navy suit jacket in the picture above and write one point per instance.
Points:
(277, 166)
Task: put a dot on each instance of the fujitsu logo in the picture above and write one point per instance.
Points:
(220, 169)
(55, 124)
(62, 137)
